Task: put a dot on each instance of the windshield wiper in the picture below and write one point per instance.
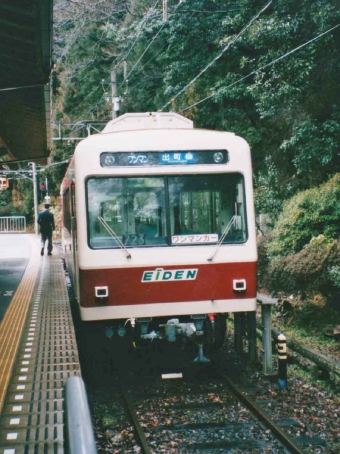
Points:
(114, 236)
(224, 234)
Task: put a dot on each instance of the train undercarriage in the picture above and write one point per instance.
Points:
(202, 332)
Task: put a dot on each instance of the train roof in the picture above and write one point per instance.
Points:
(148, 120)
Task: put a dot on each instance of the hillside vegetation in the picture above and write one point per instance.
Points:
(266, 71)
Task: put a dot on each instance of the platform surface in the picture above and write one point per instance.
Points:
(38, 353)
(15, 252)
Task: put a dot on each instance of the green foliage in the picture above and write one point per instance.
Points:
(306, 216)
(288, 112)
(5, 200)
(334, 274)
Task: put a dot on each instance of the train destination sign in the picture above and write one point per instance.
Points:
(163, 158)
(177, 157)
(160, 275)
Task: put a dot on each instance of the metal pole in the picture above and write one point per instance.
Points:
(79, 427)
(35, 197)
(267, 339)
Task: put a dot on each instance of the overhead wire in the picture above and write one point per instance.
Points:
(143, 23)
(23, 86)
(261, 68)
(116, 65)
(218, 56)
(150, 44)
(154, 56)
(86, 97)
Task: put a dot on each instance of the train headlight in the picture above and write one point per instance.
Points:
(109, 160)
(239, 285)
(101, 292)
(218, 157)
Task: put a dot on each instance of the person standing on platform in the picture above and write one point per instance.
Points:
(46, 223)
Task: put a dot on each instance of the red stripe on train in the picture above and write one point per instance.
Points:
(125, 286)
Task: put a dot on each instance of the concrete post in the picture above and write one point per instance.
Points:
(267, 339)
(115, 97)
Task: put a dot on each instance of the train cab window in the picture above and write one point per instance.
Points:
(165, 211)
(206, 208)
(128, 211)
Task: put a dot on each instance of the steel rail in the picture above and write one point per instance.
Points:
(132, 413)
(260, 413)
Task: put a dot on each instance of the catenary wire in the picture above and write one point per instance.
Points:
(115, 66)
(147, 48)
(142, 24)
(152, 58)
(217, 56)
(261, 68)
(21, 87)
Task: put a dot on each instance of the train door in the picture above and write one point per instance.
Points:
(74, 241)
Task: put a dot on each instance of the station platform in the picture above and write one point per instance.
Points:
(38, 353)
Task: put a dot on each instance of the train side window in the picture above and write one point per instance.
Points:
(73, 200)
(67, 210)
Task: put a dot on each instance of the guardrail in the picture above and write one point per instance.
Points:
(12, 224)
(317, 358)
(79, 429)
(320, 360)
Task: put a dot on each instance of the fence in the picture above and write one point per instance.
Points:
(12, 224)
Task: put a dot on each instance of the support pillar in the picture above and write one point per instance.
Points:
(267, 339)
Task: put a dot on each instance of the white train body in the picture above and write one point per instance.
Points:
(159, 221)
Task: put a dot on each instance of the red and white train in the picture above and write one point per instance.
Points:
(159, 228)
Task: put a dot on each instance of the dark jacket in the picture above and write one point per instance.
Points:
(46, 222)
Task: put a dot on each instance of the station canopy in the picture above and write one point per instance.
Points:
(25, 68)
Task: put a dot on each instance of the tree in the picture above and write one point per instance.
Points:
(221, 65)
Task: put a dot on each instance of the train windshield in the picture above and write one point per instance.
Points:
(166, 211)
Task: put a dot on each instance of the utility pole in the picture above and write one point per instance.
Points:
(115, 97)
(165, 10)
(35, 197)
(47, 197)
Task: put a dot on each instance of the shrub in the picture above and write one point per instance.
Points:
(313, 270)
(306, 216)
(334, 273)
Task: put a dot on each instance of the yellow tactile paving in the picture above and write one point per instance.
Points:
(13, 321)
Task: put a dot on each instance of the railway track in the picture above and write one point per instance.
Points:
(206, 411)
(212, 414)
(231, 410)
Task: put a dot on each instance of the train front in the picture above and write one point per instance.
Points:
(165, 230)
